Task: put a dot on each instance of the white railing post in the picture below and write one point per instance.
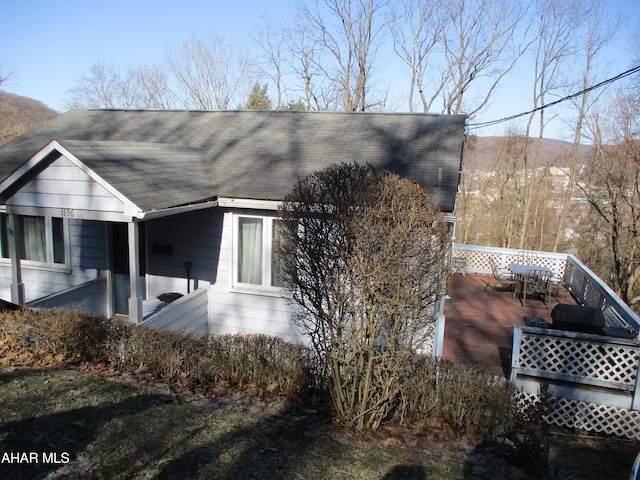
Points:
(635, 401)
(515, 352)
(438, 340)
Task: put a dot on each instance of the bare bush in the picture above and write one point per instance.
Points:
(364, 253)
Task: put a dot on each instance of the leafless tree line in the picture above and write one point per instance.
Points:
(452, 56)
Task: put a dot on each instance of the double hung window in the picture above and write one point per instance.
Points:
(255, 263)
(43, 239)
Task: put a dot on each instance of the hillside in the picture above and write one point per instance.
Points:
(20, 114)
(480, 152)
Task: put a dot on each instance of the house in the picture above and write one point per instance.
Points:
(106, 210)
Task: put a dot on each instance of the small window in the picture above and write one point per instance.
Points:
(43, 240)
(254, 262)
(57, 235)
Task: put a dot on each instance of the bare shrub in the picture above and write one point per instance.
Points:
(260, 359)
(181, 360)
(469, 399)
(68, 332)
(363, 251)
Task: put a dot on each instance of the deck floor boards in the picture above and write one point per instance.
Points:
(479, 323)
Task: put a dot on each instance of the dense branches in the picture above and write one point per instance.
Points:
(364, 252)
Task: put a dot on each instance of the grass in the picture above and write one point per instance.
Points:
(127, 429)
(116, 430)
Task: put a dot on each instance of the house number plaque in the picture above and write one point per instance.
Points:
(67, 212)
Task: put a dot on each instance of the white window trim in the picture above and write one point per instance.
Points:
(49, 264)
(267, 251)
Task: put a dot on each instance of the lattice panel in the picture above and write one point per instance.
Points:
(479, 260)
(580, 358)
(593, 417)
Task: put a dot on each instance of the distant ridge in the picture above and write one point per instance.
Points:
(480, 152)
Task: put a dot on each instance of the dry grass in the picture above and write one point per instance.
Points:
(131, 402)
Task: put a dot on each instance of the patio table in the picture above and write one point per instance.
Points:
(525, 270)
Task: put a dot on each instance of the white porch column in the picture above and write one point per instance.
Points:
(135, 299)
(14, 236)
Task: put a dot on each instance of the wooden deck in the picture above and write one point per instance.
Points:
(479, 323)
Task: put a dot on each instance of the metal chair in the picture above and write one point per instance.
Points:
(538, 283)
(526, 257)
(502, 279)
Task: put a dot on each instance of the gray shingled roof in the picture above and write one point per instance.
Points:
(160, 159)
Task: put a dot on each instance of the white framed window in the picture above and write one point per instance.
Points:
(254, 263)
(44, 240)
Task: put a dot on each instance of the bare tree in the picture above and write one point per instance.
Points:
(106, 87)
(470, 47)
(5, 74)
(319, 93)
(599, 31)
(479, 45)
(417, 27)
(346, 36)
(209, 74)
(364, 254)
(557, 22)
(612, 187)
(271, 61)
(101, 88)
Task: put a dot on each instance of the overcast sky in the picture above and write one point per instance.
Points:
(49, 44)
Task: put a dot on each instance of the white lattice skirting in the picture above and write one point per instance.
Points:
(592, 417)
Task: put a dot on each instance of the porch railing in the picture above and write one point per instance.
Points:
(188, 314)
(88, 297)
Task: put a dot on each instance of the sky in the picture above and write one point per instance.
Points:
(48, 45)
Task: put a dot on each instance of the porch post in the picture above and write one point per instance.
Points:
(135, 299)
(14, 235)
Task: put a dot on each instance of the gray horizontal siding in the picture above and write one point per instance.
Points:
(63, 185)
(191, 237)
(245, 312)
(88, 260)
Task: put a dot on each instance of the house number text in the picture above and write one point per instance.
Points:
(67, 212)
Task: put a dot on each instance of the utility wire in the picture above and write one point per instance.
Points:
(564, 99)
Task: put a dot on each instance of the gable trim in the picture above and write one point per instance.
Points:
(130, 208)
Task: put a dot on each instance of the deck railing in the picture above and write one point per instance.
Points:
(584, 285)
(593, 380)
(591, 291)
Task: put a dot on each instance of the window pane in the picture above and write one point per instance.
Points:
(4, 245)
(250, 250)
(33, 239)
(277, 279)
(58, 240)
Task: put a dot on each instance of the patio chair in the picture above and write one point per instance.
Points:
(526, 257)
(503, 279)
(537, 283)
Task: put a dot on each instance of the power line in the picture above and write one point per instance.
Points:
(564, 99)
